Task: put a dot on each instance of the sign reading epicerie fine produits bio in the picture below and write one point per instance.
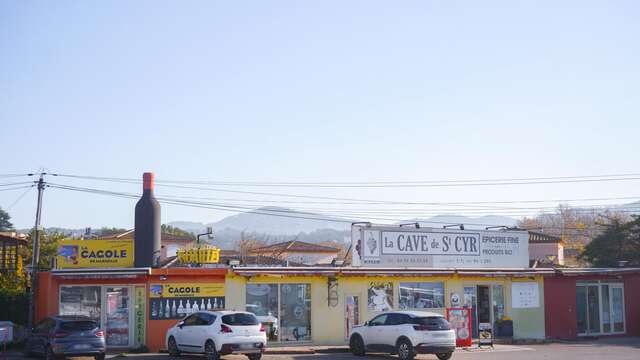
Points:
(426, 247)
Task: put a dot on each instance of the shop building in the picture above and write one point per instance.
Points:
(592, 302)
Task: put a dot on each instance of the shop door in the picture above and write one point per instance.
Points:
(117, 316)
(484, 304)
(588, 309)
(351, 313)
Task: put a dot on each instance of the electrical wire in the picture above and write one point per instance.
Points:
(423, 183)
(20, 197)
(272, 212)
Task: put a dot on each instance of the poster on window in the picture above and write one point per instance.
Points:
(380, 296)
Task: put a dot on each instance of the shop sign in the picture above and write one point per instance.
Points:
(202, 255)
(94, 254)
(177, 300)
(485, 334)
(389, 246)
(140, 303)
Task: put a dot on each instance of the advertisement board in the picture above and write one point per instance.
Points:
(426, 247)
(73, 254)
(140, 303)
(460, 321)
(177, 300)
(525, 295)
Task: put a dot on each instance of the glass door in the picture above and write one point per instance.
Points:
(617, 308)
(593, 307)
(117, 316)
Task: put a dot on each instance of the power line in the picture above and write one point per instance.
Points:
(16, 188)
(270, 212)
(20, 197)
(379, 184)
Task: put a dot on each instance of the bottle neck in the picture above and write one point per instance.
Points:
(147, 193)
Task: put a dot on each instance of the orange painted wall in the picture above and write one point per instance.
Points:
(157, 329)
(49, 285)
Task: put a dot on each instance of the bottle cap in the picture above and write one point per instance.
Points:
(147, 181)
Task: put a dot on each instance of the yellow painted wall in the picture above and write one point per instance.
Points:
(328, 322)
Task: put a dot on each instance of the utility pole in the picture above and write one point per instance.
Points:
(36, 254)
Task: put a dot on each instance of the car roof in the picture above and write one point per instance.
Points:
(416, 313)
(224, 312)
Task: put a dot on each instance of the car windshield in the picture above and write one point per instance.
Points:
(83, 325)
(432, 322)
(241, 319)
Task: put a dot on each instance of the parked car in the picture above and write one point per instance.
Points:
(405, 333)
(60, 336)
(216, 333)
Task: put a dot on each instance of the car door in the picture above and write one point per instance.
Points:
(374, 331)
(200, 329)
(184, 336)
(41, 335)
(395, 326)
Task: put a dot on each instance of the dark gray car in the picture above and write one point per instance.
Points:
(60, 336)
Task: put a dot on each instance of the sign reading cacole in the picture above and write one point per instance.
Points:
(174, 290)
(94, 254)
(426, 247)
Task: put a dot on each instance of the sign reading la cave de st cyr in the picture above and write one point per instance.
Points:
(440, 248)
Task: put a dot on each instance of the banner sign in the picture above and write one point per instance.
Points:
(140, 303)
(177, 300)
(73, 254)
(390, 246)
(203, 255)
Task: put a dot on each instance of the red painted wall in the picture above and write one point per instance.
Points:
(560, 304)
(632, 304)
(560, 307)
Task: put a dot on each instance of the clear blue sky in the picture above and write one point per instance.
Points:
(316, 91)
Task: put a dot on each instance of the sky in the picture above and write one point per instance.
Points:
(315, 91)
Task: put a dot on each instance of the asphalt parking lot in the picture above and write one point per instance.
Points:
(613, 349)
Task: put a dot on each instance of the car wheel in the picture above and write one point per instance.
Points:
(444, 356)
(357, 346)
(405, 350)
(172, 347)
(210, 351)
(48, 353)
(100, 356)
(254, 356)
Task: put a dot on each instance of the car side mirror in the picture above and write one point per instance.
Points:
(366, 323)
(181, 324)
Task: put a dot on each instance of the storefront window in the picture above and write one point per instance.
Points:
(117, 316)
(295, 309)
(80, 300)
(422, 295)
(498, 302)
(285, 309)
(599, 308)
(262, 300)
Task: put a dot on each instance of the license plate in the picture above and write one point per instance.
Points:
(82, 346)
(246, 346)
(440, 335)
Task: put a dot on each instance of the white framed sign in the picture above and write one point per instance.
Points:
(394, 246)
(525, 295)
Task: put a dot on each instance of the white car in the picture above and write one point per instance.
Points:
(405, 333)
(216, 333)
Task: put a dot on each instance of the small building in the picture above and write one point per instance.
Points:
(10, 243)
(545, 248)
(592, 302)
(298, 252)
